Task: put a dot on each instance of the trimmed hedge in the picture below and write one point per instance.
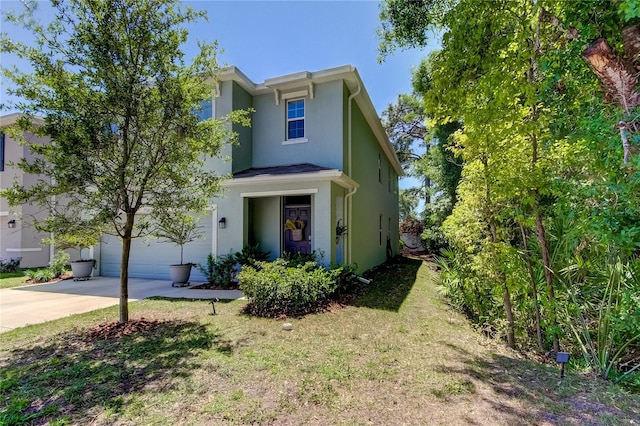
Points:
(277, 288)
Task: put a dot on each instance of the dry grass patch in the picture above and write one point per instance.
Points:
(399, 355)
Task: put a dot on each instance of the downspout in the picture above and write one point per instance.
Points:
(347, 198)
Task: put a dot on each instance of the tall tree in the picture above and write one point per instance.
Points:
(120, 105)
(493, 74)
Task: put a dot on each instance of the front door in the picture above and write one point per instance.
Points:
(297, 225)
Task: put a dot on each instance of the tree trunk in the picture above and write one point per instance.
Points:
(124, 269)
(534, 287)
(493, 229)
(506, 299)
(548, 276)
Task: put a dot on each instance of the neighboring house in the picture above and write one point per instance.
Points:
(316, 153)
(17, 237)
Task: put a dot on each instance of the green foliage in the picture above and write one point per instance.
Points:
(59, 263)
(541, 189)
(280, 288)
(251, 254)
(58, 266)
(40, 275)
(608, 326)
(219, 270)
(118, 100)
(297, 259)
(10, 265)
(179, 229)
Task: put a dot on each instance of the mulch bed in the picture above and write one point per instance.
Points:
(115, 329)
(210, 286)
(62, 277)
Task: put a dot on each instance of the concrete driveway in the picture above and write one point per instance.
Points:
(39, 303)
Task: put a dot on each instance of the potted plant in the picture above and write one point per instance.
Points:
(295, 226)
(341, 230)
(78, 238)
(179, 229)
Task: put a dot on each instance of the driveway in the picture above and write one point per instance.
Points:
(39, 303)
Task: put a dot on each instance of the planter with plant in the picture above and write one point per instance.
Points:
(79, 238)
(295, 226)
(341, 231)
(179, 229)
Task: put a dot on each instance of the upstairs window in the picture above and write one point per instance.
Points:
(295, 119)
(206, 111)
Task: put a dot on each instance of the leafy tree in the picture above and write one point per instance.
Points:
(120, 106)
(424, 154)
(533, 141)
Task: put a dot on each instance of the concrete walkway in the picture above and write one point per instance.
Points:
(39, 303)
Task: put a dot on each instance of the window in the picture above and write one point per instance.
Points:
(295, 119)
(1, 152)
(380, 230)
(206, 111)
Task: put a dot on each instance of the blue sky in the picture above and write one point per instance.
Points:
(271, 38)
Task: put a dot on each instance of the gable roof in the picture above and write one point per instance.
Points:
(349, 74)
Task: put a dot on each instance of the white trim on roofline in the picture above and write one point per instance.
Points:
(275, 193)
(333, 175)
(23, 250)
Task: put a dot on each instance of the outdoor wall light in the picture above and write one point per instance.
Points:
(222, 223)
(12, 223)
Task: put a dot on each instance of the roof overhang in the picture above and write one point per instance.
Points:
(333, 175)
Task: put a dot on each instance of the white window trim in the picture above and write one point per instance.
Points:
(291, 141)
(295, 141)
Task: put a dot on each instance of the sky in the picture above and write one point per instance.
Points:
(266, 39)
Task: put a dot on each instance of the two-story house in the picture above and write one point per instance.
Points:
(315, 160)
(17, 237)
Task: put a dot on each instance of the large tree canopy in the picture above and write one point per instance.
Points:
(120, 105)
(547, 94)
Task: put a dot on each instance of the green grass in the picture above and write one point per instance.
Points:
(400, 355)
(12, 279)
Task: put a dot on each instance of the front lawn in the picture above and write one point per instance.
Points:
(12, 279)
(398, 355)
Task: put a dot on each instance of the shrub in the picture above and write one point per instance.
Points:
(10, 265)
(298, 258)
(219, 270)
(278, 288)
(251, 254)
(59, 264)
(40, 275)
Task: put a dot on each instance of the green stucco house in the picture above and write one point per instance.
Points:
(315, 159)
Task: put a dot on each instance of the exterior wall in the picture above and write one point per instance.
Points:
(23, 240)
(324, 134)
(265, 224)
(151, 259)
(223, 105)
(373, 198)
(242, 152)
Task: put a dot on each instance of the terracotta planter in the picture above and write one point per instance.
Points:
(82, 269)
(180, 274)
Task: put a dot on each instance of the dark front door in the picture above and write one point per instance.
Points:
(297, 226)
